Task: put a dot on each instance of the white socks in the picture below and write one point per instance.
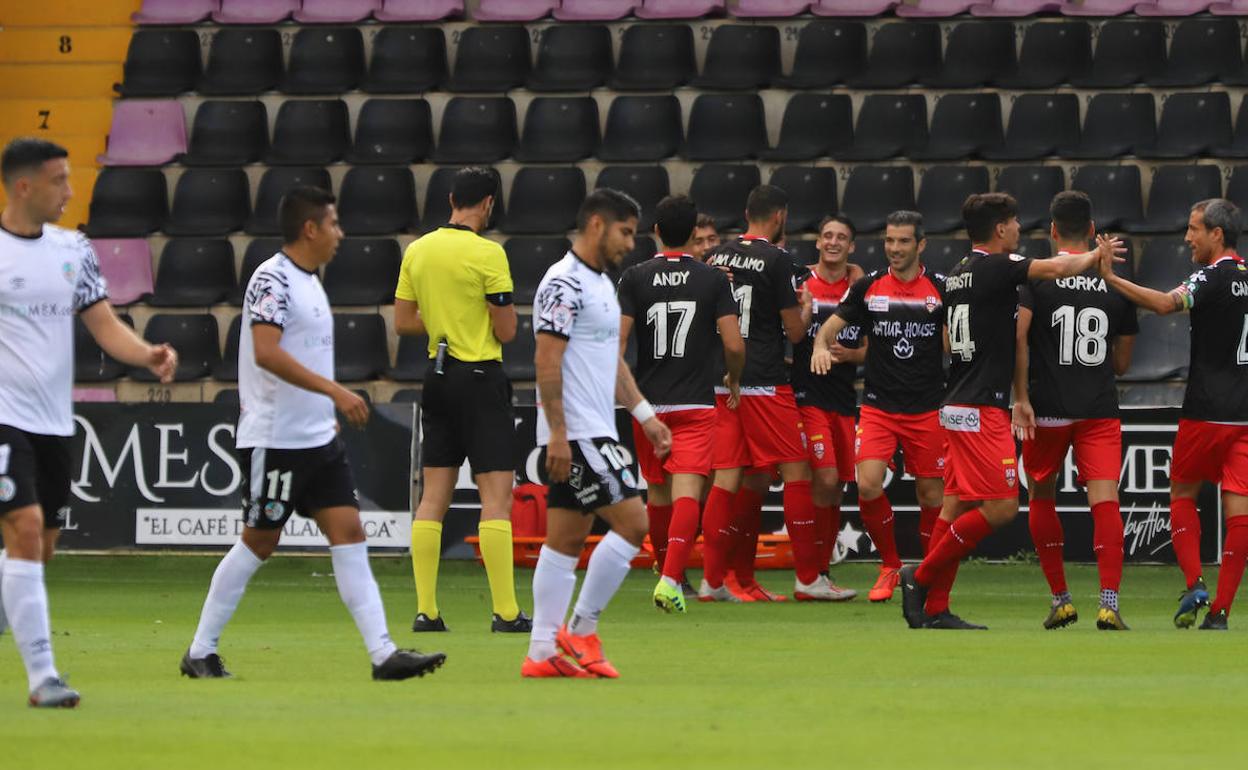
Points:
(26, 604)
(554, 579)
(224, 593)
(608, 566)
(359, 592)
(4, 619)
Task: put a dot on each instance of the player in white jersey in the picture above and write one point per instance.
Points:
(47, 275)
(292, 458)
(581, 375)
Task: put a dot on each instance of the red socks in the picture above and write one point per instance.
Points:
(877, 517)
(1185, 537)
(1048, 537)
(660, 521)
(928, 515)
(716, 518)
(681, 534)
(964, 534)
(1234, 556)
(749, 512)
(940, 528)
(1107, 543)
(827, 525)
(799, 519)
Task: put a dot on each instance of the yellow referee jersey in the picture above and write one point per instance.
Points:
(449, 274)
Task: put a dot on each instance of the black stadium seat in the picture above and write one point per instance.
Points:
(1116, 125)
(273, 185)
(438, 205)
(873, 192)
(195, 337)
(940, 255)
(392, 131)
(1035, 248)
(721, 191)
(812, 194)
(228, 133)
(1192, 125)
(1202, 51)
(943, 189)
(869, 254)
(360, 351)
(161, 62)
(642, 128)
(559, 129)
(814, 125)
(646, 184)
(975, 52)
(963, 126)
(477, 130)
(1115, 193)
(518, 354)
(901, 53)
(572, 57)
(655, 57)
(1237, 187)
(888, 125)
(491, 59)
(741, 57)
(377, 200)
(1173, 191)
(259, 250)
(309, 132)
(1238, 146)
(1052, 54)
(91, 363)
(1040, 125)
(363, 272)
(1162, 348)
(726, 127)
(529, 258)
(1165, 263)
(210, 201)
(227, 369)
(242, 61)
(194, 272)
(411, 360)
(1127, 52)
(325, 60)
(544, 200)
(407, 60)
(828, 53)
(1033, 187)
(128, 202)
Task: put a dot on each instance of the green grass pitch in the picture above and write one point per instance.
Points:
(759, 686)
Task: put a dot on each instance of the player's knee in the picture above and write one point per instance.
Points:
(869, 489)
(261, 542)
(632, 531)
(25, 528)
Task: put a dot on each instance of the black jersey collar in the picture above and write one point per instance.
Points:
(465, 228)
(583, 262)
(296, 264)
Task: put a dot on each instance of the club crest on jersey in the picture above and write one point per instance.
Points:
(903, 349)
(931, 303)
(68, 272)
(819, 450)
(1011, 473)
(8, 490)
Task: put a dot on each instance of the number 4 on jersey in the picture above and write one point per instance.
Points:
(960, 342)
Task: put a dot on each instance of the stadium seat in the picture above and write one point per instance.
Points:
(544, 200)
(491, 59)
(176, 12)
(336, 11)
(963, 126)
(1115, 194)
(828, 53)
(1202, 51)
(1052, 54)
(1035, 248)
(126, 264)
(595, 10)
(518, 354)
(255, 11)
(888, 125)
(91, 363)
(901, 53)
(363, 272)
(419, 10)
(679, 9)
(309, 132)
(227, 369)
(1192, 125)
(407, 60)
(411, 361)
(646, 184)
(1237, 187)
(1033, 187)
(814, 125)
(873, 192)
(1229, 8)
(943, 189)
(377, 200)
(438, 204)
(210, 201)
(655, 57)
(1014, 8)
(934, 9)
(196, 339)
(572, 58)
(1116, 125)
(802, 252)
(529, 259)
(942, 254)
(721, 191)
(741, 57)
(194, 272)
(770, 9)
(1098, 7)
(1040, 125)
(1165, 263)
(360, 351)
(642, 128)
(559, 129)
(644, 248)
(975, 53)
(128, 202)
(228, 133)
(1173, 191)
(161, 62)
(145, 133)
(812, 194)
(325, 60)
(1172, 7)
(1238, 146)
(726, 127)
(405, 395)
(513, 10)
(242, 62)
(273, 185)
(477, 129)
(392, 131)
(853, 7)
(1162, 348)
(259, 250)
(869, 253)
(1127, 52)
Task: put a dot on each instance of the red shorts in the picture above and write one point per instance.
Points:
(980, 464)
(692, 432)
(829, 440)
(920, 435)
(729, 449)
(1207, 451)
(767, 430)
(1097, 443)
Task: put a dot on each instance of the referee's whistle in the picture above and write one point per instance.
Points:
(439, 362)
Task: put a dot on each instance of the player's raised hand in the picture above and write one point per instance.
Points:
(1023, 420)
(821, 361)
(734, 391)
(1110, 249)
(354, 408)
(659, 435)
(162, 361)
(558, 459)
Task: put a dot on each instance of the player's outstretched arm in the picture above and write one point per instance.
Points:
(1023, 417)
(1160, 302)
(120, 341)
(1108, 247)
(821, 360)
(407, 320)
(266, 340)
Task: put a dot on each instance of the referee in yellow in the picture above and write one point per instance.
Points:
(455, 286)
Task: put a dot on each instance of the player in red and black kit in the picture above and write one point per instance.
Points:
(901, 311)
(767, 430)
(981, 472)
(1073, 336)
(1212, 441)
(682, 310)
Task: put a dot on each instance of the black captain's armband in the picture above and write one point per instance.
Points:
(502, 299)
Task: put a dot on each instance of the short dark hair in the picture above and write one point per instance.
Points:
(842, 219)
(705, 220)
(25, 154)
(982, 212)
(300, 204)
(902, 217)
(675, 216)
(764, 201)
(1071, 212)
(611, 205)
(472, 185)
(1219, 212)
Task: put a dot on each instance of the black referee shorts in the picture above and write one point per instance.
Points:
(466, 414)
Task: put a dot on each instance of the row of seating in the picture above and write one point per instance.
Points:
(243, 61)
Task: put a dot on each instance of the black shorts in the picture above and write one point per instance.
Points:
(465, 413)
(279, 482)
(601, 475)
(35, 469)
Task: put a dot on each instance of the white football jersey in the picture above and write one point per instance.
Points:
(275, 414)
(578, 303)
(44, 281)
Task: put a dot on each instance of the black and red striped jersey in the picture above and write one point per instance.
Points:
(1217, 296)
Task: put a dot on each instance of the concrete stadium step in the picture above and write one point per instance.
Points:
(63, 45)
(77, 13)
(66, 117)
(53, 81)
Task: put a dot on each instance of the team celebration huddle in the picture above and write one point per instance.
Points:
(745, 378)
